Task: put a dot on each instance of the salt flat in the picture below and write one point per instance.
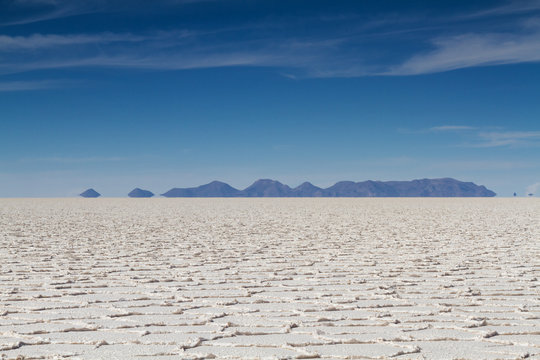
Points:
(270, 278)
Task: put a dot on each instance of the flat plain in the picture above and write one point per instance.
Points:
(270, 278)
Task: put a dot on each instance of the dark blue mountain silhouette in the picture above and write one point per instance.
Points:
(90, 193)
(213, 189)
(267, 188)
(307, 189)
(445, 187)
(140, 193)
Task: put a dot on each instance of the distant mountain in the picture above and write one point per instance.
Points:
(266, 188)
(362, 189)
(307, 189)
(213, 189)
(140, 193)
(445, 187)
(90, 193)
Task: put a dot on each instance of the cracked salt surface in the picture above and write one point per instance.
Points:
(270, 278)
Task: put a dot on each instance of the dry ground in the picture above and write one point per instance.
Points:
(270, 278)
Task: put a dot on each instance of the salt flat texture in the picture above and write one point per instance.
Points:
(270, 278)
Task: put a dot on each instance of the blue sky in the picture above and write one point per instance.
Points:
(121, 94)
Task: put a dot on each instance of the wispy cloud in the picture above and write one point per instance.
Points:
(439, 129)
(9, 86)
(173, 50)
(75, 160)
(482, 137)
(339, 52)
(305, 57)
(470, 50)
(43, 10)
(508, 138)
(451, 128)
(488, 165)
(509, 8)
(38, 41)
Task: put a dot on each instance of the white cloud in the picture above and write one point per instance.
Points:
(485, 165)
(314, 58)
(340, 54)
(52, 9)
(75, 160)
(56, 9)
(172, 50)
(48, 41)
(451, 128)
(508, 138)
(9, 86)
(484, 137)
(470, 50)
(512, 7)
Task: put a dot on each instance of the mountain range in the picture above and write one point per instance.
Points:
(445, 187)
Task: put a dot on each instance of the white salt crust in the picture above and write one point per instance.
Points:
(269, 278)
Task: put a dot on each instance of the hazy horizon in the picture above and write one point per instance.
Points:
(240, 188)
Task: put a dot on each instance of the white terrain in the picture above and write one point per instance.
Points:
(270, 278)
